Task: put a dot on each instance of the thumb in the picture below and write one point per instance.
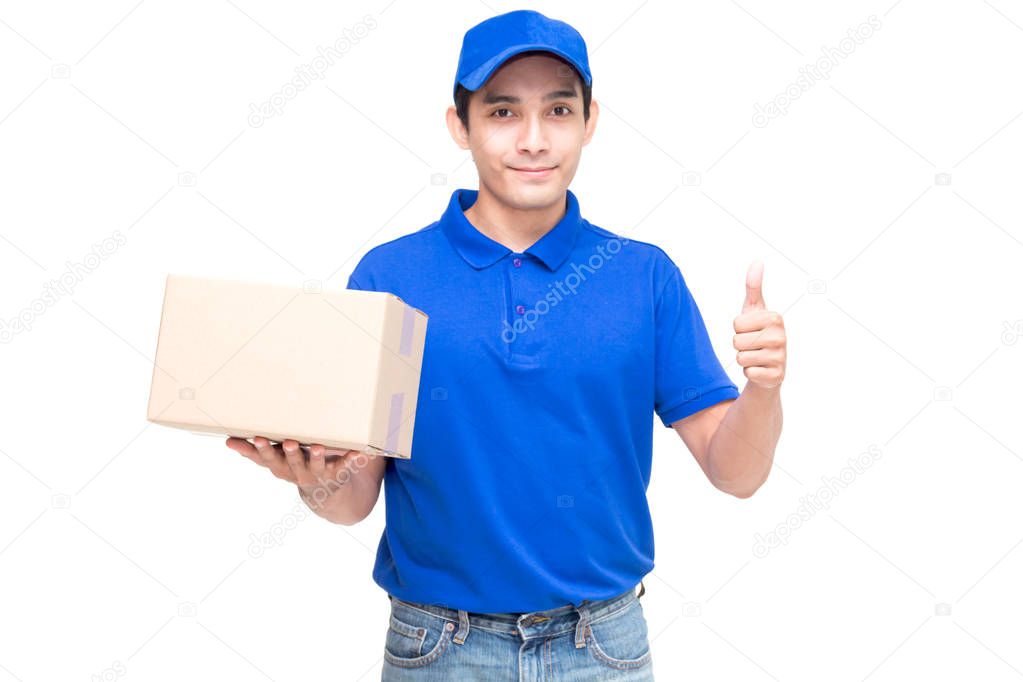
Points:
(754, 283)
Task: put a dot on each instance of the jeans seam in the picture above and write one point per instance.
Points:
(425, 659)
(611, 614)
(428, 613)
(617, 663)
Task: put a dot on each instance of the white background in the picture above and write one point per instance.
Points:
(124, 547)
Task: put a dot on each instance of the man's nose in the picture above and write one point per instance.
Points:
(533, 137)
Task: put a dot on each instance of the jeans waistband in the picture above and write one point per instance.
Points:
(549, 622)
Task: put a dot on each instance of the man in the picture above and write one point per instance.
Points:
(518, 531)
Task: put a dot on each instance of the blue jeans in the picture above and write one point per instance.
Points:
(601, 640)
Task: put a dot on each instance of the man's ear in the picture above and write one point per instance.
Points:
(458, 132)
(591, 124)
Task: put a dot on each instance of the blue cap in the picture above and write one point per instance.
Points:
(490, 43)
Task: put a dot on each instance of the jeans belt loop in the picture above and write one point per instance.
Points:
(463, 627)
(583, 624)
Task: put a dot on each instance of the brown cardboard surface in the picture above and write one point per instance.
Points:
(336, 367)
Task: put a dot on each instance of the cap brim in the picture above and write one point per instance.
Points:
(479, 76)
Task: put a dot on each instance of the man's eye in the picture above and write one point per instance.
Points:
(567, 110)
(497, 111)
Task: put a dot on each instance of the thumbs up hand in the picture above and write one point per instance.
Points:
(759, 340)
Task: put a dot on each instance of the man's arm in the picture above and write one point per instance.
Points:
(342, 489)
(350, 494)
(734, 441)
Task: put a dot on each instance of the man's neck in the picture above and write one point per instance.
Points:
(514, 228)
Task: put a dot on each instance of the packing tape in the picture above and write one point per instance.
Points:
(394, 422)
(408, 325)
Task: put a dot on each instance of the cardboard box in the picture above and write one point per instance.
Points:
(340, 368)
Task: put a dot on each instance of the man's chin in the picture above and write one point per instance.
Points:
(535, 189)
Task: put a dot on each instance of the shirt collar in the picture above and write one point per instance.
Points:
(481, 251)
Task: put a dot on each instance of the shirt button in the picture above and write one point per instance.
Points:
(520, 309)
(517, 262)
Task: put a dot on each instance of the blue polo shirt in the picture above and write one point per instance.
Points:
(542, 375)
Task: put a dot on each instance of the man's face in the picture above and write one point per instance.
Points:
(529, 115)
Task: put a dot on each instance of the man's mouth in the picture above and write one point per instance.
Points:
(535, 171)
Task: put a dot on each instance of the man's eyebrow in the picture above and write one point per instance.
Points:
(493, 98)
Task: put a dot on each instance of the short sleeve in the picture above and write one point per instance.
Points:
(352, 284)
(362, 277)
(371, 274)
(688, 375)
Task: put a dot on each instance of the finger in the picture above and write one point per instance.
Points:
(267, 452)
(242, 446)
(757, 320)
(754, 287)
(296, 460)
(756, 358)
(766, 338)
(317, 465)
(271, 457)
(340, 470)
(246, 450)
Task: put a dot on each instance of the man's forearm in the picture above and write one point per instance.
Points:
(741, 451)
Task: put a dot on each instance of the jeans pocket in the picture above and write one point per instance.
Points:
(620, 641)
(415, 638)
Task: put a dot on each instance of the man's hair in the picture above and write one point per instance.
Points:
(462, 94)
